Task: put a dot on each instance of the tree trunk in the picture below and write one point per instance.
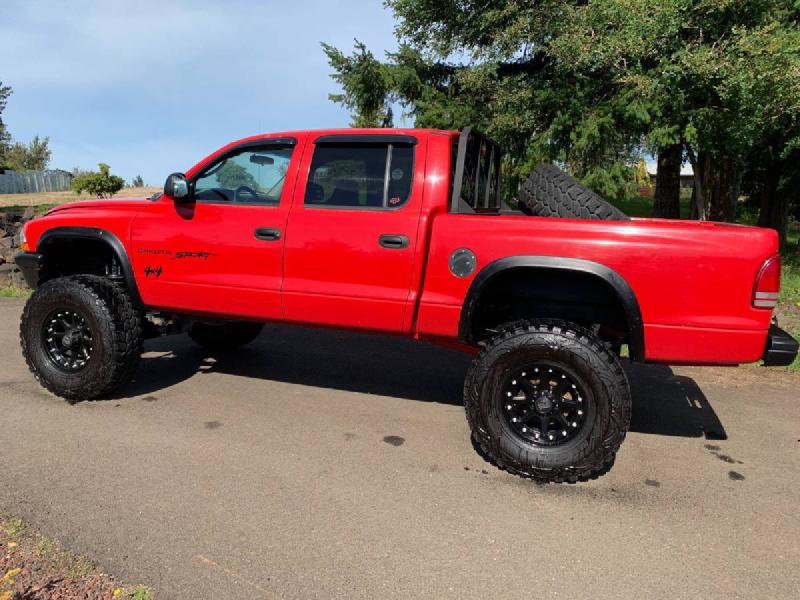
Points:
(736, 189)
(713, 181)
(723, 186)
(715, 188)
(667, 203)
(699, 167)
(774, 212)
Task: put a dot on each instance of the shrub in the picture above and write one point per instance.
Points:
(100, 184)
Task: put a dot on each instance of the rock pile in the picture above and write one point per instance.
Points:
(10, 226)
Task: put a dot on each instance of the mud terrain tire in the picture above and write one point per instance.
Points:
(549, 192)
(112, 324)
(602, 394)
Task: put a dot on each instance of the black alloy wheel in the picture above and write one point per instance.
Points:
(544, 404)
(68, 339)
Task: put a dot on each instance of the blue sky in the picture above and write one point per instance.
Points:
(152, 87)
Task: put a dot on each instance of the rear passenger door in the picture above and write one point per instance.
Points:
(352, 232)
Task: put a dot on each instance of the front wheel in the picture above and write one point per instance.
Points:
(81, 337)
(547, 400)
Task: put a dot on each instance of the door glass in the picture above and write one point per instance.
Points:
(253, 176)
(360, 176)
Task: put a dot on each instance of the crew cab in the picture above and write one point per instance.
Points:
(404, 232)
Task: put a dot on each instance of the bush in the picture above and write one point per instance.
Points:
(99, 184)
(616, 181)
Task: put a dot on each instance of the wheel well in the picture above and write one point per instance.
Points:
(551, 293)
(86, 250)
(72, 256)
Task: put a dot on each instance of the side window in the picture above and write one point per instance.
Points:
(254, 175)
(360, 176)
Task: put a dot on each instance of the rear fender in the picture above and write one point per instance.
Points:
(611, 278)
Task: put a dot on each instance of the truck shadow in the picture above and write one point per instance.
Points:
(663, 403)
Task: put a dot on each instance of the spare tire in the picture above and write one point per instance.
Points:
(549, 192)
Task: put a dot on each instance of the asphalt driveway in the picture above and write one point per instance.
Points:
(319, 464)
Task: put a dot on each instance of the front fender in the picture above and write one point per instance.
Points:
(91, 233)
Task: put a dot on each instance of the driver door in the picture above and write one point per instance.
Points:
(222, 253)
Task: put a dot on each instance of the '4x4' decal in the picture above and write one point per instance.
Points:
(148, 270)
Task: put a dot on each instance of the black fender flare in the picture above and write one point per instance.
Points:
(108, 238)
(614, 280)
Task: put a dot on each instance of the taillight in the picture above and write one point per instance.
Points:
(768, 283)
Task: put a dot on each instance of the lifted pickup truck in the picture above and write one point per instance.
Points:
(402, 231)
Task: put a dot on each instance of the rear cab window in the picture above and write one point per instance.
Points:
(475, 174)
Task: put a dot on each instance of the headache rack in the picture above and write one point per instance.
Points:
(476, 174)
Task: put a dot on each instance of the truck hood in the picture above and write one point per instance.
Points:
(104, 204)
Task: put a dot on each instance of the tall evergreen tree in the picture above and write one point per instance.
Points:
(595, 84)
(5, 138)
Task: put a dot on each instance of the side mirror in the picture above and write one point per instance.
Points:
(176, 187)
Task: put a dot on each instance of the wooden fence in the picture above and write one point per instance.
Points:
(12, 182)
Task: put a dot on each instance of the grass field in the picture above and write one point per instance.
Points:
(16, 201)
(643, 207)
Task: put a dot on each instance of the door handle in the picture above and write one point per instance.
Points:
(395, 242)
(268, 234)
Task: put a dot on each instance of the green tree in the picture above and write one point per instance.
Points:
(34, 156)
(5, 138)
(486, 64)
(367, 95)
(718, 78)
(100, 184)
(232, 175)
(31, 157)
(137, 182)
(594, 85)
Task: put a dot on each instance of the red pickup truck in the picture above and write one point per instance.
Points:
(403, 232)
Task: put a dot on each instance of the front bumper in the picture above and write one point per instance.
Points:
(30, 264)
(781, 348)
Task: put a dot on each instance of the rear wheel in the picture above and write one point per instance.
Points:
(547, 400)
(81, 337)
(224, 336)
